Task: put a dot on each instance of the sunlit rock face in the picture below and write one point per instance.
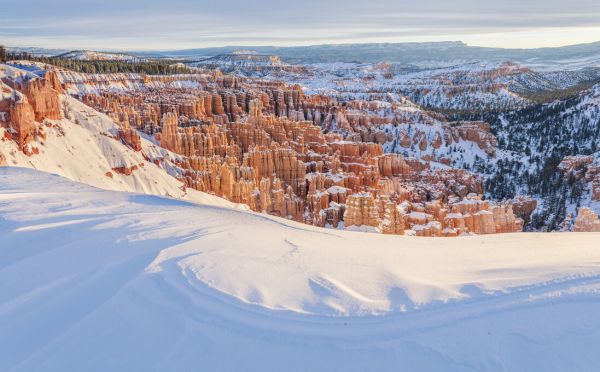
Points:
(21, 121)
(361, 210)
(26, 100)
(43, 98)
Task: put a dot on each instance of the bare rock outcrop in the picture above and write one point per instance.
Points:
(393, 219)
(131, 138)
(22, 122)
(583, 167)
(361, 210)
(587, 221)
(43, 98)
(480, 133)
(523, 207)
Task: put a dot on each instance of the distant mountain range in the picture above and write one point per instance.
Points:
(420, 54)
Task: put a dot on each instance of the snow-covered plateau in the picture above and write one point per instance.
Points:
(98, 280)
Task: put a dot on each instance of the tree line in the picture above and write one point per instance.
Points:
(155, 67)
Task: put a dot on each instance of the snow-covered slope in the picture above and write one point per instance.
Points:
(106, 280)
(249, 64)
(90, 55)
(84, 147)
(465, 86)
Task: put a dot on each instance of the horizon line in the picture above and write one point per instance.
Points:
(121, 50)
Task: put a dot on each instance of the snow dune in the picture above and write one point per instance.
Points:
(107, 280)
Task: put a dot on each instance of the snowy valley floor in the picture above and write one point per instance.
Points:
(95, 280)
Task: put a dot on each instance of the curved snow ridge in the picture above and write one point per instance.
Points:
(283, 265)
(118, 281)
(336, 274)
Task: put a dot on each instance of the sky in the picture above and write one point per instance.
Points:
(181, 24)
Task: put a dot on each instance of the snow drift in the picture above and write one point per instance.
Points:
(108, 280)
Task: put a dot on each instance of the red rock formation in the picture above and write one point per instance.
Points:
(583, 167)
(393, 220)
(576, 165)
(169, 135)
(44, 100)
(275, 154)
(361, 210)
(32, 100)
(313, 159)
(128, 135)
(482, 217)
(587, 221)
(22, 123)
(431, 229)
(596, 188)
(523, 207)
(52, 77)
(131, 138)
(393, 165)
(127, 171)
(480, 133)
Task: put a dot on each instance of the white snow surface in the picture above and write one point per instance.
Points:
(101, 280)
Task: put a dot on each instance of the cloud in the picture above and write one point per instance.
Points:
(137, 24)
